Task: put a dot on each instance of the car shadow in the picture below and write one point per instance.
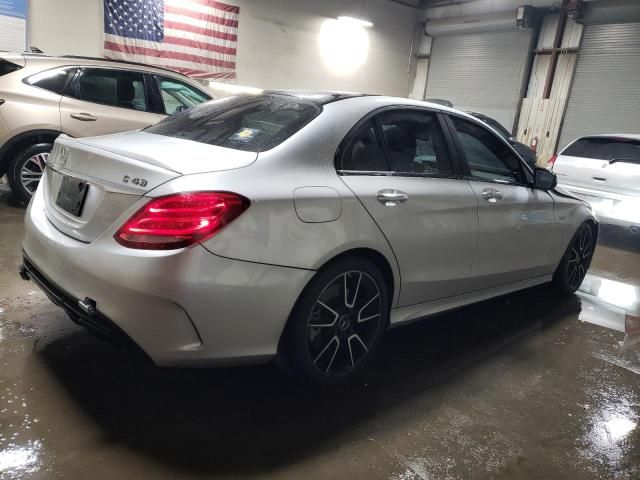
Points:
(8, 198)
(250, 420)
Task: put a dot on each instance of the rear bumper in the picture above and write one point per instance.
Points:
(96, 323)
(611, 208)
(184, 307)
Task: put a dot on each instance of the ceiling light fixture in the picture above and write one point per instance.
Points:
(356, 21)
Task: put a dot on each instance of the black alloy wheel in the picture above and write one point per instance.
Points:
(576, 261)
(337, 323)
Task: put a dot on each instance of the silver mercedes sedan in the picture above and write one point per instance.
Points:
(294, 226)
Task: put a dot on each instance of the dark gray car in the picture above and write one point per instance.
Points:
(524, 151)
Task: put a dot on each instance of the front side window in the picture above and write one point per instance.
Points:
(252, 123)
(117, 88)
(487, 156)
(415, 143)
(178, 96)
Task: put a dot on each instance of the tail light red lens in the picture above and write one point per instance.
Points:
(180, 220)
(551, 162)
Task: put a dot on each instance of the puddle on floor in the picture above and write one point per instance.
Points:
(611, 304)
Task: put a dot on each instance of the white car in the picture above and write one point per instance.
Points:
(605, 171)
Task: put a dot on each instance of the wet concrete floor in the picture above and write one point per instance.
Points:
(530, 385)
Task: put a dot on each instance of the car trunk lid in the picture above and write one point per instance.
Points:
(111, 173)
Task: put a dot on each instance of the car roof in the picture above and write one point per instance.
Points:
(324, 97)
(63, 60)
(626, 136)
(319, 96)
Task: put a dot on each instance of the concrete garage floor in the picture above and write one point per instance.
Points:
(517, 387)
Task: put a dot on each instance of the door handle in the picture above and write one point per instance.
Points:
(391, 198)
(599, 179)
(84, 117)
(492, 195)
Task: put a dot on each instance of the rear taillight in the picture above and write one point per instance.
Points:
(180, 220)
(551, 162)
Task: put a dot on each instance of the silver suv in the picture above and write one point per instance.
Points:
(42, 97)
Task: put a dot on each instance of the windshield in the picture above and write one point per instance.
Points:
(250, 123)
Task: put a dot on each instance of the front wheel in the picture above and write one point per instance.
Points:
(576, 260)
(26, 170)
(337, 324)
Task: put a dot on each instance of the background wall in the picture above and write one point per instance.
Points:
(278, 41)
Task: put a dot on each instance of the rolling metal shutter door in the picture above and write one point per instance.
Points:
(481, 72)
(605, 95)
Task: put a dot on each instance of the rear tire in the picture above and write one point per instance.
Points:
(337, 323)
(576, 261)
(26, 169)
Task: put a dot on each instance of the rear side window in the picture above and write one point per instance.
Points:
(605, 148)
(415, 142)
(53, 80)
(250, 123)
(8, 67)
(411, 143)
(118, 88)
(364, 153)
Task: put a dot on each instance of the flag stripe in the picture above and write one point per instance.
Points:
(172, 17)
(170, 32)
(177, 65)
(201, 31)
(202, 16)
(151, 52)
(185, 42)
(177, 44)
(228, 9)
(202, 74)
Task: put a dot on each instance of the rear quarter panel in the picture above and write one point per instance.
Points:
(271, 231)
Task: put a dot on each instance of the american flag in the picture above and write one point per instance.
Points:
(195, 37)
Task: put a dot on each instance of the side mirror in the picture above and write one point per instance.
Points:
(544, 179)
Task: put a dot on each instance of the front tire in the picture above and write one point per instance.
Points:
(576, 260)
(26, 170)
(337, 323)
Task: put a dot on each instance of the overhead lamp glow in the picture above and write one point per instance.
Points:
(356, 21)
(343, 45)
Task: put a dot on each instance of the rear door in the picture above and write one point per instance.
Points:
(607, 164)
(516, 221)
(399, 164)
(105, 100)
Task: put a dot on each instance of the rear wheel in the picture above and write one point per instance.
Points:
(576, 260)
(337, 323)
(26, 170)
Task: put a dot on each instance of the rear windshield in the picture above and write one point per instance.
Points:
(605, 148)
(248, 122)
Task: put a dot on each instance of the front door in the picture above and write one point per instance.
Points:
(399, 166)
(103, 101)
(517, 222)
